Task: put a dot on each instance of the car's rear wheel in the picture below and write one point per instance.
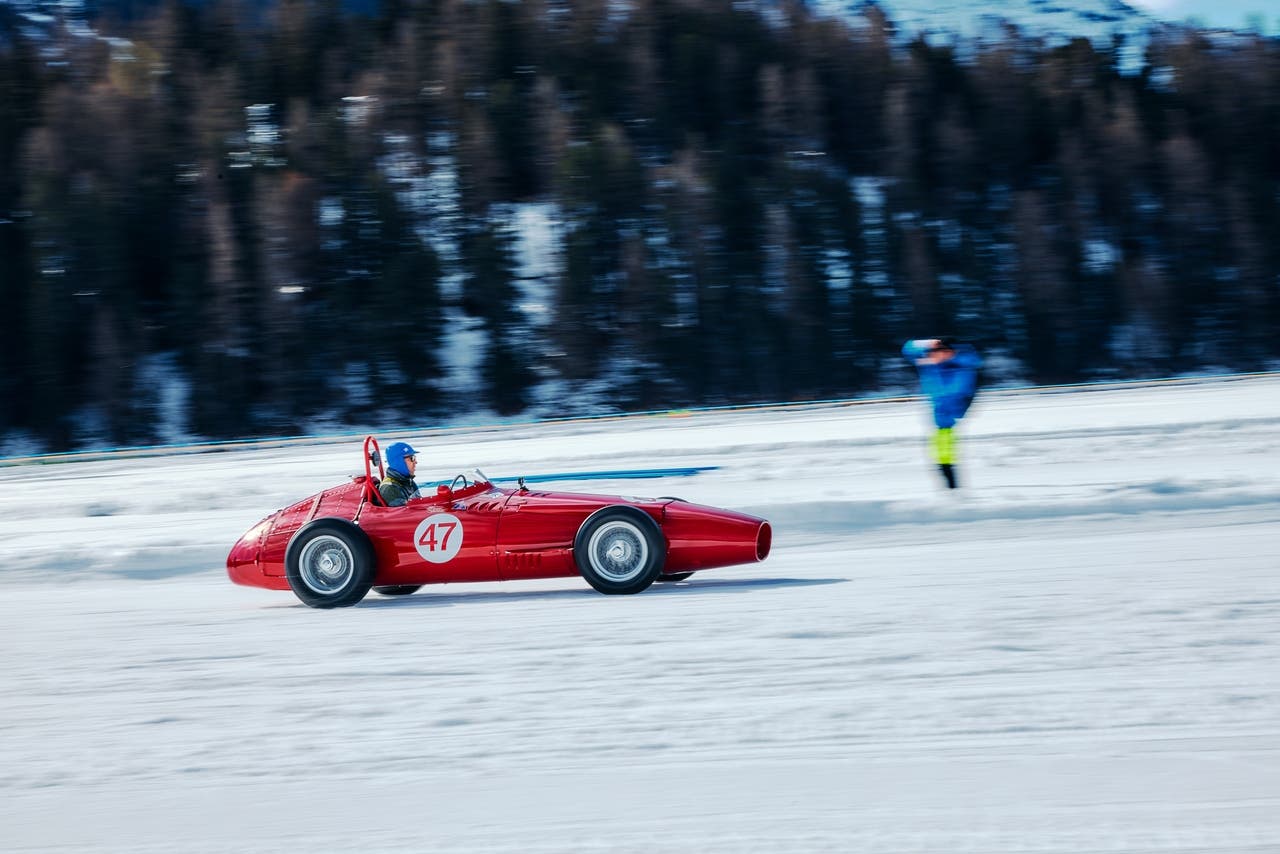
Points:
(675, 576)
(398, 590)
(329, 564)
(619, 550)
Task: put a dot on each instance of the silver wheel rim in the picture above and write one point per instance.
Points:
(326, 565)
(618, 551)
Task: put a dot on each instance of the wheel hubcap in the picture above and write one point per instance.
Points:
(326, 565)
(619, 551)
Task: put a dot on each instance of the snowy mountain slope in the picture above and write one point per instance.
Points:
(1077, 655)
(1089, 18)
(1052, 19)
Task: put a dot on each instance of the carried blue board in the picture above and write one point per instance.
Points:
(615, 474)
(618, 474)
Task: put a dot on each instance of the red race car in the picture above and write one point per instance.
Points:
(331, 548)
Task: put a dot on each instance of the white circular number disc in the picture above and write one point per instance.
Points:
(438, 537)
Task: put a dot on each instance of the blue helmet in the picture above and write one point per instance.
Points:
(395, 457)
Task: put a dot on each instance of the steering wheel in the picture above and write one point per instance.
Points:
(460, 479)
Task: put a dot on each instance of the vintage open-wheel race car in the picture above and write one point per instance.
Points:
(332, 548)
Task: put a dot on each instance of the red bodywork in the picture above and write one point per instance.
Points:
(480, 532)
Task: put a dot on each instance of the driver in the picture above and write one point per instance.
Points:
(398, 486)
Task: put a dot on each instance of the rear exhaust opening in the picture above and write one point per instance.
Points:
(764, 541)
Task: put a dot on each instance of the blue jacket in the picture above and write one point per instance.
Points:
(950, 385)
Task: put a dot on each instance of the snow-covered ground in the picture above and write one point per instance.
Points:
(1078, 654)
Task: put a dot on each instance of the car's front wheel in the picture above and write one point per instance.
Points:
(329, 564)
(619, 550)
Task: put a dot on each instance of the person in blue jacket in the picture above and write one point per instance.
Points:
(949, 378)
(398, 486)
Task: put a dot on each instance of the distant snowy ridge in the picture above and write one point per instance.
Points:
(1063, 19)
(1095, 19)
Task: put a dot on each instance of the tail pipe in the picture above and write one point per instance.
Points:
(706, 537)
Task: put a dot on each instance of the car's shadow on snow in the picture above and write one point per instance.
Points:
(428, 597)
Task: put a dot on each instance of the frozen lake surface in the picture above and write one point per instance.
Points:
(1077, 654)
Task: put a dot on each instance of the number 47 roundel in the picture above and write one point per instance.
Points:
(438, 537)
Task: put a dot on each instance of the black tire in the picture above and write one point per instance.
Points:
(675, 576)
(329, 564)
(398, 590)
(619, 550)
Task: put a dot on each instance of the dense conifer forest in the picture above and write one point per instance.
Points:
(295, 212)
